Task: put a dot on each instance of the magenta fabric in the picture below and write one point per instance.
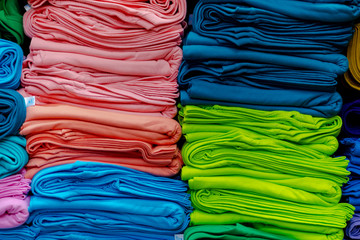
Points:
(15, 186)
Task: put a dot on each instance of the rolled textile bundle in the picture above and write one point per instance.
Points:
(300, 202)
(12, 113)
(352, 76)
(268, 28)
(291, 126)
(234, 232)
(150, 205)
(13, 212)
(11, 27)
(109, 24)
(139, 82)
(13, 155)
(23, 232)
(15, 186)
(353, 227)
(59, 134)
(11, 62)
(350, 115)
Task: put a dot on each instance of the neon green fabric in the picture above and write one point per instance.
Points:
(11, 21)
(284, 125)
(303, 201)
(241, 148)
(229, 232)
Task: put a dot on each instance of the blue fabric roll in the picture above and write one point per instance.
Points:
(238, 23)
(350, 113)
(114, 198)
(12, 112)
(11, 64)
(13, 155)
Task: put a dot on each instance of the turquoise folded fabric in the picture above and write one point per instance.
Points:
(13, 155)
(12, 112)
(115, 200)
(11, 57)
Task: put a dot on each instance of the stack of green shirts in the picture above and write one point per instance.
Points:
(269, 170)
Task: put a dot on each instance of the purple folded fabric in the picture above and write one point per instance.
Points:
(14, 202)
(353, 228)
(350, 114)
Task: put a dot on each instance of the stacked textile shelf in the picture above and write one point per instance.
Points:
(14, 188)
(103, 78)
(258, 111)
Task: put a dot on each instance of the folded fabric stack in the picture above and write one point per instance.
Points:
(258, 111)
(14, 187)
(73, 201)
(14, 202)
(271, 169)
(119, 56)
(60, 134)
(252, 54)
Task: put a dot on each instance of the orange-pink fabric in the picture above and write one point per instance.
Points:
(126, 81)
(59, 134)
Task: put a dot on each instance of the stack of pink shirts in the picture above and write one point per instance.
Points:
(118, 56)
(14, 202)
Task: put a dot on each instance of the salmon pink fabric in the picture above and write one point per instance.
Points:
(109, 23)
(139, 82)
(60, 134)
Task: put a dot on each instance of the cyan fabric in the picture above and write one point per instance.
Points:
(13, 156)
(114, 199)
(12, 112)
(92, 181)
(11, 57)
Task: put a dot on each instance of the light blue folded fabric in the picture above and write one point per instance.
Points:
(99, 198)
(12, 112)
(23, 232)
(11, 57)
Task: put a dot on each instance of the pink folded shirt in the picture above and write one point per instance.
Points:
(14, 202)
(140, 82)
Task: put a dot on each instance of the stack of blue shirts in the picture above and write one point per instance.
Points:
(73, 201)
(272, 55)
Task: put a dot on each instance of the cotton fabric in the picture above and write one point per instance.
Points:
(11, 57)
(155, 207)
(12, 112)
(144, 143)
(13, 155)
(235, 232)
(11, 27)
